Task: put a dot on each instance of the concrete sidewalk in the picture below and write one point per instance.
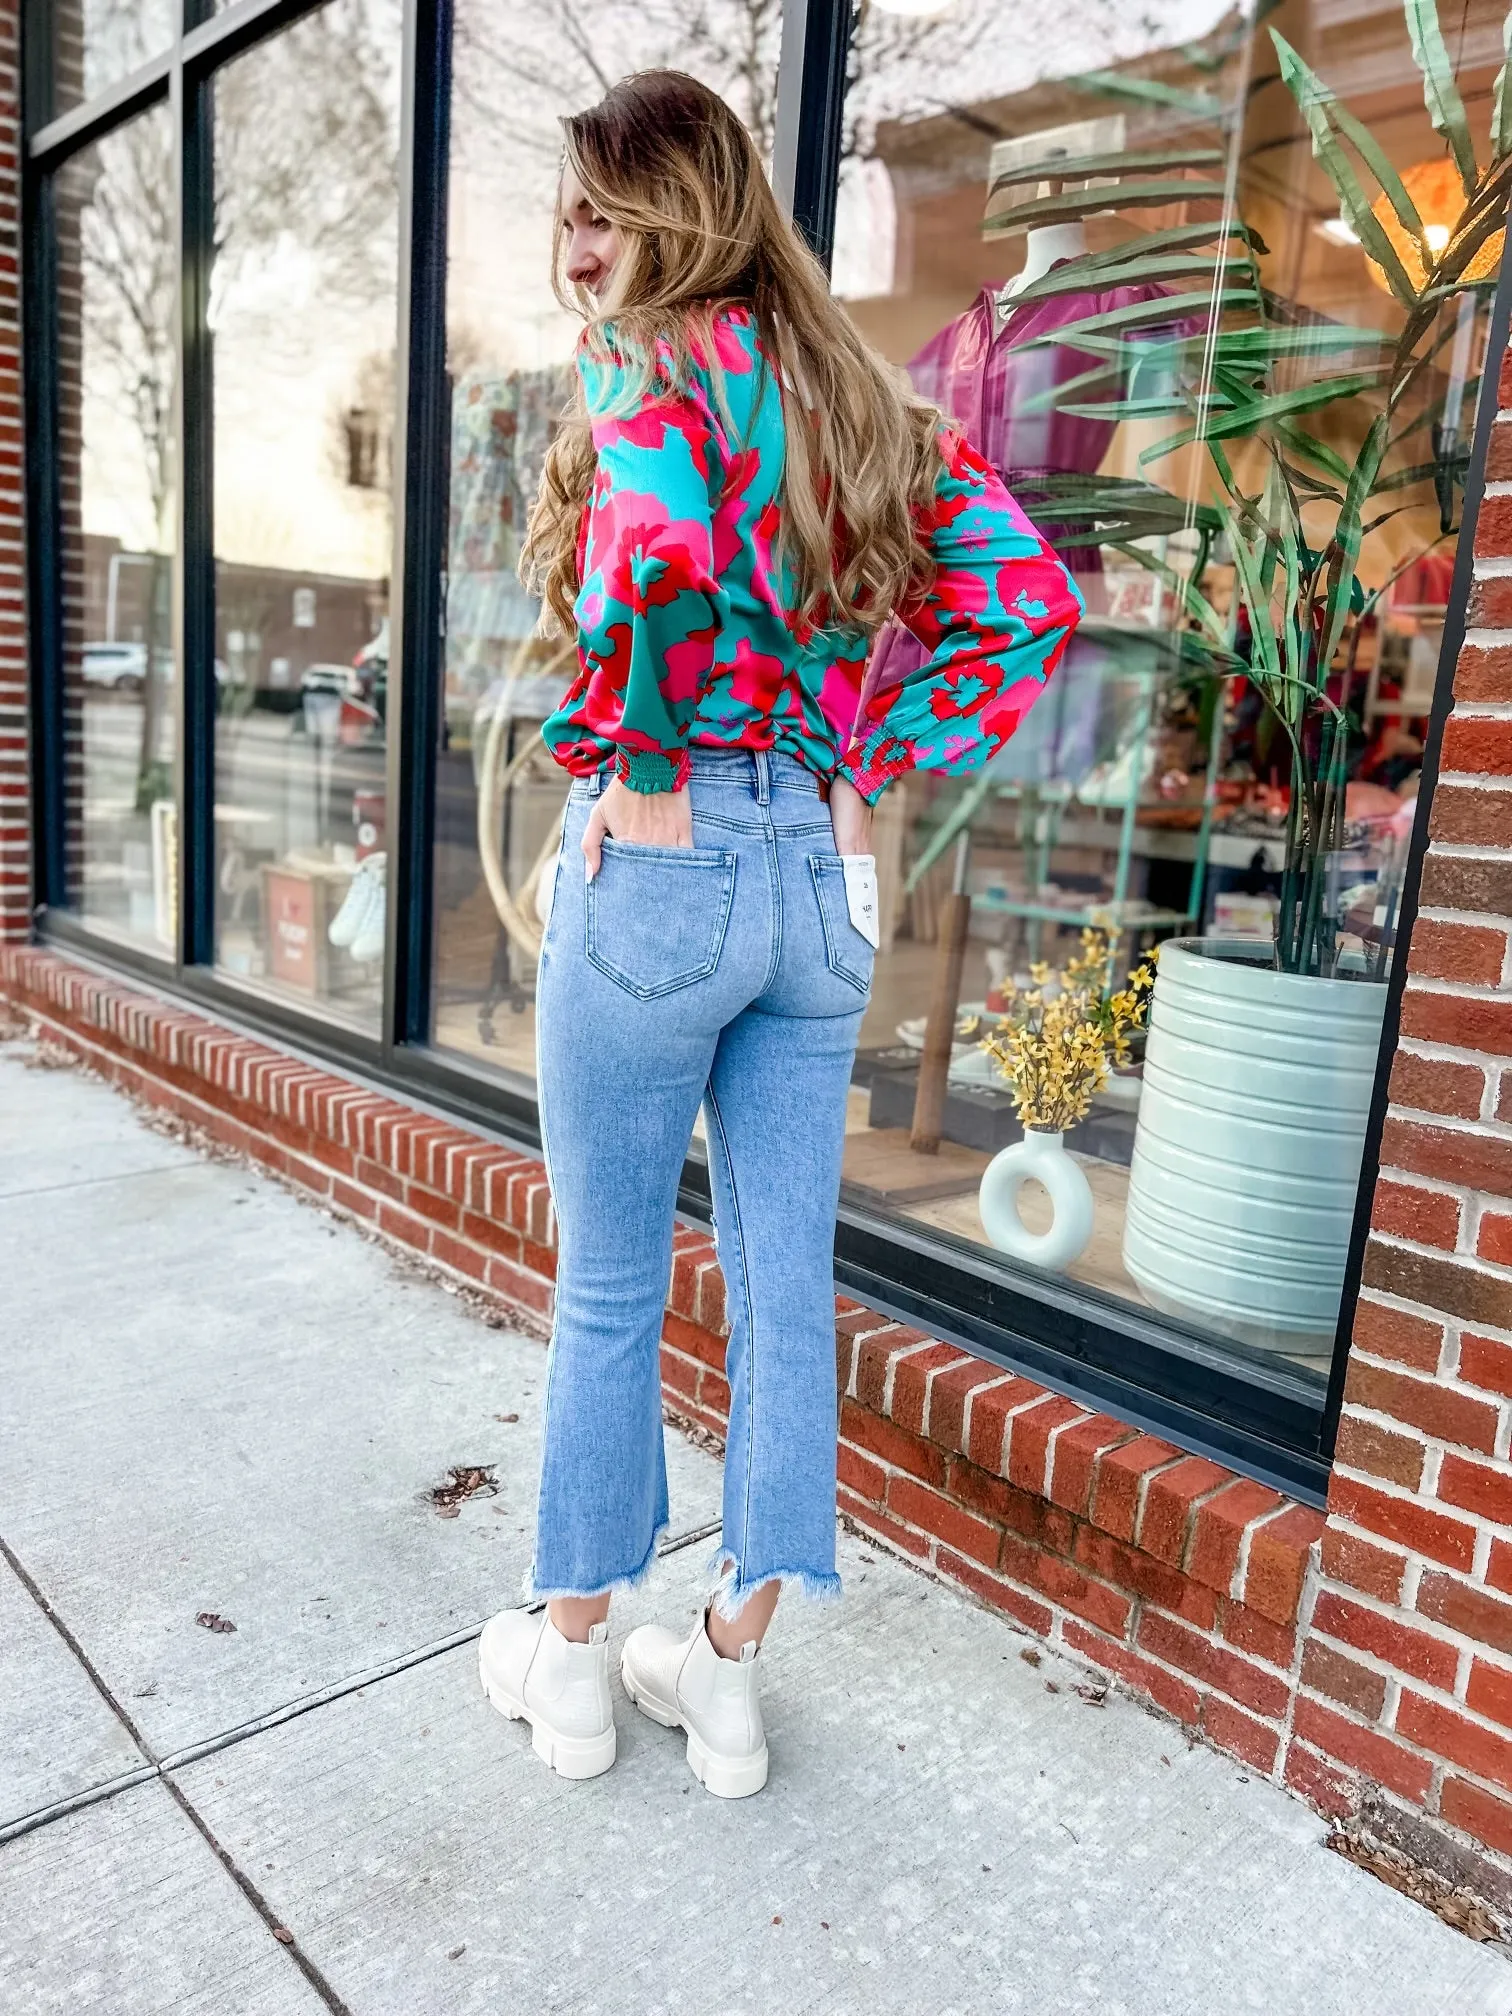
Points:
(245, 1765)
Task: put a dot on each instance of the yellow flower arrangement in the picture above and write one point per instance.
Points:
(1054, 1044)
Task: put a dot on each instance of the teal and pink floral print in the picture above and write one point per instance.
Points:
(687, 627)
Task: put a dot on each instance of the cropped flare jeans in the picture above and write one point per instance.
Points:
(727, 976)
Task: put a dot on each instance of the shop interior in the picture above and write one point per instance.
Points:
(1140, 801)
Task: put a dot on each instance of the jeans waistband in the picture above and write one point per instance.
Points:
(758, 772)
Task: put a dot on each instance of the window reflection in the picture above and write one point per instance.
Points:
(499, 797)
(115, 224)
(97, 42)
(302, 314)
(1149, 798)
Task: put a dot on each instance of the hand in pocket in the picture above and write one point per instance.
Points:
(851, 817)
(639, 818)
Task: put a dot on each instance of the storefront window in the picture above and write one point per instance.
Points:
(1168, 267)
(97, 42)
(1156, 801)
(303, 316)
(114, 204)
(499, 796)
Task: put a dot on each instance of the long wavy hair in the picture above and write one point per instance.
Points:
(667, 162)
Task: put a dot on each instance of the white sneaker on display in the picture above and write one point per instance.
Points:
(683, 1683)
(347, 922)
(367, 939)
(530, 1672)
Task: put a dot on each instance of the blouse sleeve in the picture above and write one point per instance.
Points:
(994, 622)
(649, 610)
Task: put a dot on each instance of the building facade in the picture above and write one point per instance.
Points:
(280, 361)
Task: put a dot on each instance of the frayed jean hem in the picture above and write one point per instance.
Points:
(539, 1592)
(733, 1588)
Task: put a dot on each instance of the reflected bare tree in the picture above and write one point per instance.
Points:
(117, 213)
(306, 165)
(518, 69)
(306, 158)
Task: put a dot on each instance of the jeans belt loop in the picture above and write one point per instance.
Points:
(763, 777)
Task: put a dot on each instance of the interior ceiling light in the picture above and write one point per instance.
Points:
(1435, 188)
(1337, 230)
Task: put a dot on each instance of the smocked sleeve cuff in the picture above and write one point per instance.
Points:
(870, 779)
(651, 770)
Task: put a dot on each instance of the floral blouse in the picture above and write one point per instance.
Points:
(687, 627)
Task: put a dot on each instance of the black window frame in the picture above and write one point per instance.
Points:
(1267, 1422)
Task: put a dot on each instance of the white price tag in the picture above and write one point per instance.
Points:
(861, 895)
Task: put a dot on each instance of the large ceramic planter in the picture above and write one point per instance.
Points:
(1247, 1152)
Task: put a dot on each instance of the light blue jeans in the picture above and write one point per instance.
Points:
(730, 976)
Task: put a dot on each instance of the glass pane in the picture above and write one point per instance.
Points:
(1210, 1171)
(510, 349)
(97, 42)
(116, 291)
(302, 313)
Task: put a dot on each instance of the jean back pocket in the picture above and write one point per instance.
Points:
(847, 951)
(657, 915)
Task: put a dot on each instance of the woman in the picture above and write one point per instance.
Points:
(744, 495)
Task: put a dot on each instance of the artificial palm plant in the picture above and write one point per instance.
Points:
(1246, 379)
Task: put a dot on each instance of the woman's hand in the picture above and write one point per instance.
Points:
(641, 818)
(851, 817)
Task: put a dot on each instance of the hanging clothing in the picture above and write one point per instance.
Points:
(976, 373)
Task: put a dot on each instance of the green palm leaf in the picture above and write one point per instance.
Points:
(1140, 315)
(1072, 204)
(1312, 449)
(1344, 550)
(1148, 91)
(1501, 105)
(1256, 414)
(1313, 101)
(1445, 106)
(1076, 167)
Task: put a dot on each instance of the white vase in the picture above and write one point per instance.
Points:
(1040, 1157)
(1246, 1159)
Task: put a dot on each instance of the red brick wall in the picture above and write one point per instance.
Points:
(15, 820)
(1407, 1678)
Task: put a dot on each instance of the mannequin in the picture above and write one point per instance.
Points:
(1045, 245)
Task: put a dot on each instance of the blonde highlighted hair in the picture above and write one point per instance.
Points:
(667, 162)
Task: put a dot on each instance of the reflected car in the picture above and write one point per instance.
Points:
(120, 668)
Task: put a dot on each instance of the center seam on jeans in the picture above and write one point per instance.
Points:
(774, 876)
(750, 1310)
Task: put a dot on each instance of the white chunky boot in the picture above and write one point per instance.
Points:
(684, 1684)
(531, 1672)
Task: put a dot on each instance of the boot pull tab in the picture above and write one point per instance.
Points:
(748, 1651)
(598, 1633)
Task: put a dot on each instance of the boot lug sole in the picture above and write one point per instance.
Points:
(726, 1777)
(569, 1756)
(652, 1710)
